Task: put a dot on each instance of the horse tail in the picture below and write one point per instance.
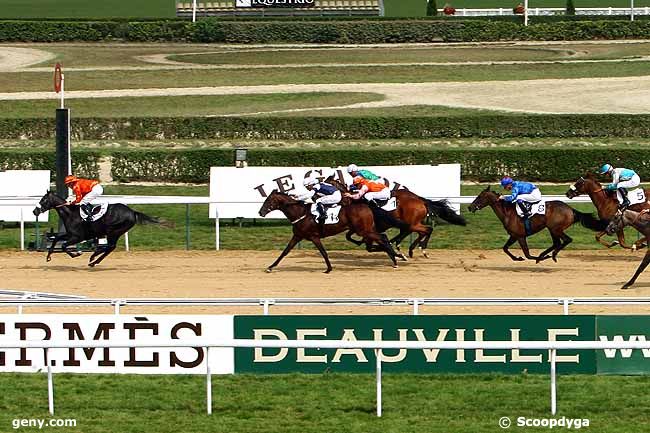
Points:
(588, 221)
(141, 218)
(441, 208)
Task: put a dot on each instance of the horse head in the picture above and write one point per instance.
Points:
(486, 197)
(47, 202)
(274, 201)
(584, 185)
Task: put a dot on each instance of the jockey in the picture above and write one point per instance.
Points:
(622, 179)
(521, 193)
(324, 194)
(354, 171)
(371, 190)
(85, 191)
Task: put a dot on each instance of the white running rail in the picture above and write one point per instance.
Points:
(377, 346)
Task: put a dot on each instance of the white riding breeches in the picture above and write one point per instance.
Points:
(384, 194)
(330, 199)
(627, 184)
(92, 195)
(632, 183)
(533, 197)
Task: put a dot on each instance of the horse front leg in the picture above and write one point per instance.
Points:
(609, 244)
(292, 243)
(323, 252)
(506, 249)
(641, 268)
(524, 247)
(50, 250)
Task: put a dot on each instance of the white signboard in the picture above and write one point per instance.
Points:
(240, 192)
(22, 183)
(150, 329)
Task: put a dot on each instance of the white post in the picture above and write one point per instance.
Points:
(126, 242)
(525, 12)
(553, 384)
(62, 92)
(50, 384)
(378, 356)
(208, 380)
(117, 308)
(631, 10)
(22, 231)
(266, 307)
(217, 228)
(193, 11)
(566, 307)
(416, 307)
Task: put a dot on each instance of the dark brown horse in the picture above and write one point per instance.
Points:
(606, 205)
(355, 217)
(641, 222)
(557, 219)
(409, 217)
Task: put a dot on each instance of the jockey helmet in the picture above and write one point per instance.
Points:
(70, 179)
(507, 180)
(605, 168)
(310, 180)
(352, 168)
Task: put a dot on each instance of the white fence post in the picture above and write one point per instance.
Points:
(22, 231)
(208, 380)
(217, 229)
(126, 242)
(50, 383)
(378, 356)
(553, 384)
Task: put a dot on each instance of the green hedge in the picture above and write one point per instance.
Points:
(485, 165)
(322, 31)
(336, 128)
(84, 162)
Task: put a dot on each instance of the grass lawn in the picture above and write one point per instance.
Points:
(86, 9)
(100, 80)
(484, 230)
(323, 402)
(180, 106)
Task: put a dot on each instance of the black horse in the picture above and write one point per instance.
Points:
(118, 220)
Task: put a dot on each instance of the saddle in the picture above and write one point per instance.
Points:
(96, 211)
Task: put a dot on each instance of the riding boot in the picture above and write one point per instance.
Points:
(322, 216)
(626, 201)
(525, 209)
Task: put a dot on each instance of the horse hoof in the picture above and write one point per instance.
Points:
(519, 259)
(268, 270)
(395, 266)
(327, 271)
(92, 265)
(426, 256)
(555, 259)
(48, 259)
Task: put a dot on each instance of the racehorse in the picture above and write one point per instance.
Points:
(557, 218)
(606, 205)
(118, 220)
(641, 222)
(355, 217)
(408, 217)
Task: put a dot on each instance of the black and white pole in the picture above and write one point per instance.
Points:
(63, 160)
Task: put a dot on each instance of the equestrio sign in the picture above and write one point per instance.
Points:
(414, 328)
(74, 328)
(239, 192)
(275, 3)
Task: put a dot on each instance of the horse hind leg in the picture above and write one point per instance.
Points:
(383, 242)
(425, 242)
(566, 240)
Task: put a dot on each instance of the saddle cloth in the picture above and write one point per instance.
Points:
(99, 210)
(331, 212)
(388, 205)
(635, 196)
(535, 209)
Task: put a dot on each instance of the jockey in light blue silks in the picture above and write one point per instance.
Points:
(523, 194)
(622, 179)
(321, 193)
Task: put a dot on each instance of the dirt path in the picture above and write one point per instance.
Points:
(356, 274)
(13, 59)
(585, 95)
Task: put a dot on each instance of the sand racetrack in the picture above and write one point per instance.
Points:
(469, 273)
